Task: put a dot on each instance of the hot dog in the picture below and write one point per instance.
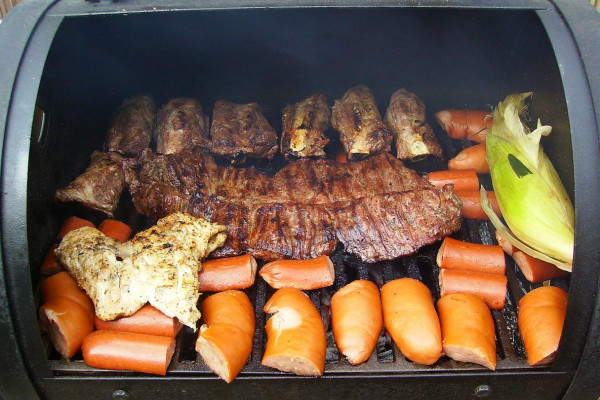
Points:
(534, 270)
(296, 339)
(51, 265)
(66, 323)
(357, 320)
(409, 316)
(115, 229)
(73, 223)
(467, 329)
(314, 273)
(227, 273)
(505, 244)
(471, 204)
(473, 157)
(541, 318)
(465, 124)
(125, 350)
(462, 179)
(490, 287)
(147, 320)
(63, 285)
(457, 254)
(225, 338)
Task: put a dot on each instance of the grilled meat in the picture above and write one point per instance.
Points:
(240, 130)
(356, 117)
(130, 129)
(100, 186)
(406, 118)
(159, 265)
(303, 127)
(377, 207)
(180, 124)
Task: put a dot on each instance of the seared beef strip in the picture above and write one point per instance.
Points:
(406, 118)
(377, 207)
(356, 117)
(100, 186)
(130, 129)
(303, 127)
(240, 130)
(180, 124)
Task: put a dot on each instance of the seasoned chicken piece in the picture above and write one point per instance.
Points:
(159, 265)
(356, 117)
(240, 130)
(130, 129)
(180, 124)
(100, 186)
(406, 118)
(304, 125)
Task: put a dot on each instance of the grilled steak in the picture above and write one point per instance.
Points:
(240, 130)
(100, 186)
(303, 127)
(356, 117)
(376, 207)
(406, 118)
(180, 124)
(130, 129)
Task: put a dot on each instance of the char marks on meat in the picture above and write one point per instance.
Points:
(240, 130)
(406, 118)
(180, 124)
(376, 207)
(130, 128)
(303, 127)
(356, 117)
(100, 186)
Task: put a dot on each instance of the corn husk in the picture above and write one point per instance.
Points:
(531, 196)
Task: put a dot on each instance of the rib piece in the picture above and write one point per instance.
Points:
(303, 127)
(376, 207)
(159, 265)
(180, 124)
(100, 186)
(356, 117)
(406, 118)
(240, 130)
(130, 128)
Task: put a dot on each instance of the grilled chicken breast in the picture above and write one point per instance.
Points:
(159, 265)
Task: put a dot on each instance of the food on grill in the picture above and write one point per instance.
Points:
(534, 270)
(115, 229)
(51, 265)
(240, 130)
(356, 117)
(227, 333)
(471, 204)
(522, 174)
(541, 318)
(409, 316)
(303, 127)
(407, 120)
(465, 256)
(461, 179)
(159, 265)
(376, 207)
(296, 339)
(356, 319)
(125, 350)
(314, 273)
(468, 332)
(472, 157)
(130, 128)
(100, 186)
(465, 124)
(505, 244)
(147, 320)
(66, 323)
(63, 285)
(227, 273)
(490, 287)
(180, 124)
(73, 223)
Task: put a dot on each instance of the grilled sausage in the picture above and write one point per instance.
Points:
(314, 273)
(147, 320)
(227, 273)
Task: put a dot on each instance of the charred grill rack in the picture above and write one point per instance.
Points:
(76, 61)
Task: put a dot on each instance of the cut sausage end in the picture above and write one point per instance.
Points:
(296, 365)
(214, 358)
(475, 356)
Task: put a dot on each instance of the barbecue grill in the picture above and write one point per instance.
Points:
(68, 64)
